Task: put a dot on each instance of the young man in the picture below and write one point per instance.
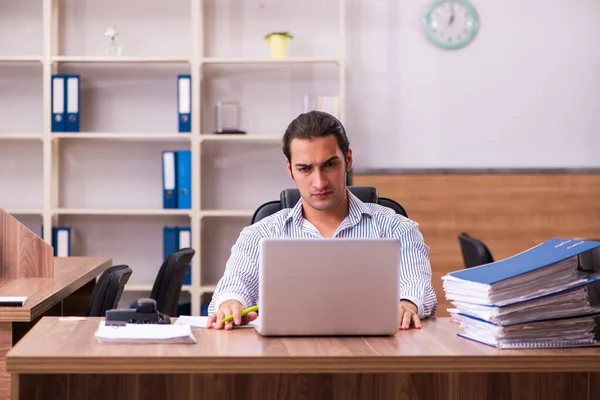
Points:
(318, 157)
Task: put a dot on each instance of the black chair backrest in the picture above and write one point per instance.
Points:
(474, 251)
(169, 280)
(108, 290)
(289, 197)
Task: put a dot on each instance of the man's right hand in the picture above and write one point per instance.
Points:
(227, 308)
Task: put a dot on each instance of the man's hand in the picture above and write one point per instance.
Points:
(409, 313)
(227, 308)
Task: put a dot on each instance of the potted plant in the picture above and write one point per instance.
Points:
(278, 43)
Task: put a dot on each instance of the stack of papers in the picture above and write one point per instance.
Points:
(572, 302)
(145, 333)
(566, 332)
(542, 293)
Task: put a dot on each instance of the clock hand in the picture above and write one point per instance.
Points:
(451, 14)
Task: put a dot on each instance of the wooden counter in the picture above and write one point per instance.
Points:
(64, 358)
(73, 280)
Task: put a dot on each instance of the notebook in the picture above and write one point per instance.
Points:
(544, 269)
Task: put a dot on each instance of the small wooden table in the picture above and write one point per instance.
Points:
(65, 294)
(63, 359)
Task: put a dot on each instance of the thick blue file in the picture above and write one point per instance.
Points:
(170, 241)
(58, 103)
(61, 241)
(185, 241)
(540, 256)
(184, 179)
(73, 102)
(169, 179)
(184, 102)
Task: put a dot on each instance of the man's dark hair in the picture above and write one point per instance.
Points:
(312, 125)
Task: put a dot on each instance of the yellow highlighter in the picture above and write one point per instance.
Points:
(244, 313)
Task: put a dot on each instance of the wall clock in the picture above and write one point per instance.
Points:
(451, 24)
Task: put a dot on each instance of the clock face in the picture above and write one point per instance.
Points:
(451, 24)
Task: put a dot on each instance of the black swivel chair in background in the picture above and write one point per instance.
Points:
(108, 290)
(474, 251)
(169, 280)
(289, 197)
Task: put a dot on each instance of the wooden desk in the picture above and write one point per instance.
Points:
(62, 359)
(73, 278)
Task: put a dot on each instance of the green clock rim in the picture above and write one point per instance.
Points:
(472, 31)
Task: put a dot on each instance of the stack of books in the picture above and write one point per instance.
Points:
(546, 296)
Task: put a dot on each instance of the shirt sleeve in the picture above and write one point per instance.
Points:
(415, 270)
(240, 279)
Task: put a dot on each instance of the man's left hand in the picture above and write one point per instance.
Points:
(409, 314)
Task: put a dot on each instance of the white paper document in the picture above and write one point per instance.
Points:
(200, 322)
(145, 333)
(13, 301)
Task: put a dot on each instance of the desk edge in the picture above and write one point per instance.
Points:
(292, 365)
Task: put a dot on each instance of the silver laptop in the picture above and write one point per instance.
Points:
(329, 287)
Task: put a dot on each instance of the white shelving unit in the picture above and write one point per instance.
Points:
(105, 181)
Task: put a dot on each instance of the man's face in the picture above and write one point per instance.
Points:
(319, 170)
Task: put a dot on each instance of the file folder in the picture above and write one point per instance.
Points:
(61, 241)
(58, 103)
(544, 269)
(185, 242)
(184, 179)
(184, 102)
(73, 102)
(169, 176)
(170, 241)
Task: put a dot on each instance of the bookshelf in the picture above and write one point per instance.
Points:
(105, 181)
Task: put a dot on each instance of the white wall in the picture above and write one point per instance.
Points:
(525, 93)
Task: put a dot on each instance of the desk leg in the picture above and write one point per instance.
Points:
(5, 345)
(493, 386)
(15, 387)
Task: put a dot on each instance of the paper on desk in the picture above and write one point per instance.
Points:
(200, 322)
(14, 301)
(145, 333)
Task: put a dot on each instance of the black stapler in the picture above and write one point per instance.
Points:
(144, 313)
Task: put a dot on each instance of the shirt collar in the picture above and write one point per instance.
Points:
(356, 210)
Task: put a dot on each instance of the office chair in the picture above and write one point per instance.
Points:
(474, 251)
(169, 280)
(108, 290)
(289, 197)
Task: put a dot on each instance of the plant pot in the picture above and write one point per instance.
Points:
(278, 44)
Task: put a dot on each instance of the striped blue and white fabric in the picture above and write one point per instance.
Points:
(365, 220)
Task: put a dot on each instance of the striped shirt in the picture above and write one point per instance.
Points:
(365, 220)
